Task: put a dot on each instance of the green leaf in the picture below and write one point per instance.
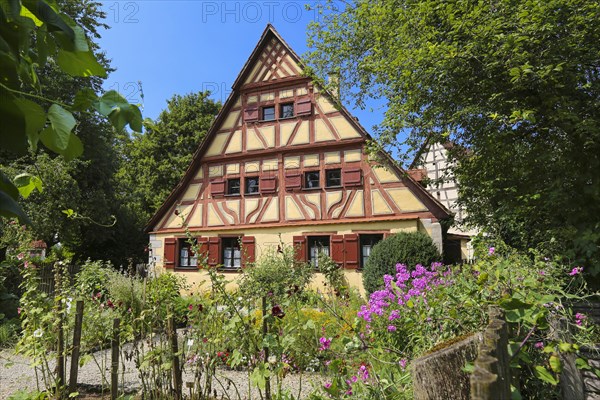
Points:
(47, 14)
(555, 364)
(27, 183)
(28, 14)
(8, 187)
(80, 63)
(35, 119)
(582, 363)
(565, 347)
(62, 122)
(9, 208)
(13, 131)
(119, 111)
(543, 374)
(513, 304)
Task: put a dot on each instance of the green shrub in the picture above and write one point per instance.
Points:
(409, 248)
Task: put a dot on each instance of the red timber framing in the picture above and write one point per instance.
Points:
(255, 141)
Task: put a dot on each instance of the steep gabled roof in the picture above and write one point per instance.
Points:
(437, 209)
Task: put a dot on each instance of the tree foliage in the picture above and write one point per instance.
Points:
(514, 84)
(156, 160)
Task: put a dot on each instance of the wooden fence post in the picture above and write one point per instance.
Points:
(76, 343)
(174, 351)
(114, 360)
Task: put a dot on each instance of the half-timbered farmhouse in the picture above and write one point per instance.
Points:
(283, 163)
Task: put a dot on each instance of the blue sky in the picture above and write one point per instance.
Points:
(178, 47)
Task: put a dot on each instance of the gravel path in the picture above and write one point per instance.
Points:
(17, 373)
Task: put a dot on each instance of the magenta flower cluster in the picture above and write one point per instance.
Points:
(325, 344)
(400, 289)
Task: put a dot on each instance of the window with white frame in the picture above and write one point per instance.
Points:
(232, 254)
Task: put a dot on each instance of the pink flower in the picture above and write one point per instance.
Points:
(325, 343)
(403, 363)
(576, 271)
(579, 319)
(539, 345)
(327, 385)
(491, 251)
(363, 372)
(391, 328)
(20, 256)
(19, 310)
(542, 273)
(191, 307)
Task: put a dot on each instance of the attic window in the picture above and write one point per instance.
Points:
(268, 113)
(311, 180)
(287, 110)
(333, 177)
(252, 185)
(233, 186)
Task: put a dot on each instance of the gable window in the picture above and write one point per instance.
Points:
(233, 186)
(252, 185)
(268, 113)
(232, 255)
(366, 246)
(187, 257)
(317, 245)
(311, 180)
(286, 110)
(333, 177)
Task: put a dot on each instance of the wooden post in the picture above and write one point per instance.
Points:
(60, 350)
(265, 329)
(114, 360)
(175, 350)
(76, 343)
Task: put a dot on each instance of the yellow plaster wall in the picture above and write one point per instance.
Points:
(252, 141)
(216, 147)
(380, 206)
(406, 200)
(292, 162)
(357, 207)
(302, 134)
(385, 176)
(332, 157)
(272, 211)
(230, 120)
(268, 134)
(196, 219)
(352, 155)
(311, 160)
(322, 132)
(286, 129)
(215, 171)
(252, 166)
(232, 168)
(191, 193)
(174, 221)
(343, 127)
(269, 237)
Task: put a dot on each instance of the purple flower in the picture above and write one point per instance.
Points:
(542, 272)
(403, 363)
(327, 385)
(539, 345)
(363, 372)
(491, 251)
(325, 343)
(579, 319)
(576, 271)
(391, 328)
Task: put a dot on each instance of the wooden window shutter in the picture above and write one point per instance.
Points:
(170, 253)
(337, 249)
(351, 251)
(248, 250)
(300, 248)
(203, 250)
(268, 184)
(251, 114)
(214, 251)
(293, 180)
(217, 187)
(303, 106)
(352, 177)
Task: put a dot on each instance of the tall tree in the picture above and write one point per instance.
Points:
(514, 84)
(157, 159)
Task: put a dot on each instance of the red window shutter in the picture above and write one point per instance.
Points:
(293, 180)
(352, 177)
(203, 250)
(300, 248)
(214, 251)
(248, 250)
(251, 114)
(351, 251)
(303, 106)
(217, 187)
(337, 249)
(268, 184)
(170, 253)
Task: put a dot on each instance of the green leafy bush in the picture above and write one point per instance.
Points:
(408, 248)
